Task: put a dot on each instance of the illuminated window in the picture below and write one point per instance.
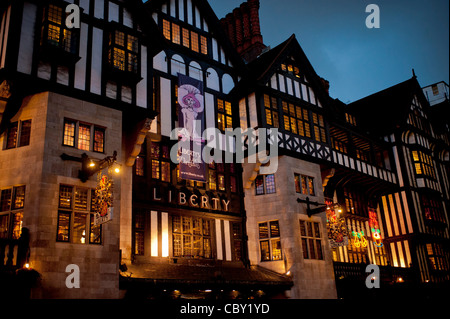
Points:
(212, 177)
(224, 115)
(423, 164)
(355, 201)
(182, 36)
(138, 230)
(194, 41)
(437, 256)
(166, 30)
(339, 145)
(269, 240)
(204, 45)
(310, 235)
(304, 184)
(191, 237)
(18, 134)
(186, 39)
(12, 202)
(99, 139)
(160, 160)
(76, 216)
(265, 184)
(433, 208)
(123, 52)
(296, 119)
(319, 128)
(237, 240)
(54, 30)
(271, 109)
(350, 119)
(290, 69)
(69, 133)
(84, 137)
(140, 166)
(176, 37)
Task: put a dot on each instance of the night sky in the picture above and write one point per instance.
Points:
(358, 61)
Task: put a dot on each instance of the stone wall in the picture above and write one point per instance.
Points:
(312, 278)
(40, 167)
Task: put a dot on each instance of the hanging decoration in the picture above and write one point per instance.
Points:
(336, 227)
(358, 239)
(375, 229)
(103, 202)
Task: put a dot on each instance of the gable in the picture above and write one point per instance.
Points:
(290, 77)
(182, 21)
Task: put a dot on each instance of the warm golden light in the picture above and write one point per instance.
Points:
(117, 170)
(91, 164)
(27, 265)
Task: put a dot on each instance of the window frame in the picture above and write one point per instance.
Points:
(224, 115)
(183, 34)
(72, 211)
(299, 184)
(264, 183)
(76, 137)
(182, 233)
(10, 211)
(58, 51)
(163, 161)
(271, 111)
(18, 141)
(270, 239)
(309, 240)
(425, 162)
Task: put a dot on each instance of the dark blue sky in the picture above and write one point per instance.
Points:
(356, 60)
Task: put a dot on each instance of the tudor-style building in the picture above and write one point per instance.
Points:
(189, 237)
(68, 92)
(324, 159)
(349, 186)
(415, 216)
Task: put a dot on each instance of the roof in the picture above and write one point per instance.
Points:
(263, 68)
(384, 111)
(168, 273)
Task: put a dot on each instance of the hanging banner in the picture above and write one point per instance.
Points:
(374, 228)
(103, 199)
(336, 227)
(191, 121)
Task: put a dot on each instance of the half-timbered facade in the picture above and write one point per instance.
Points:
(348, 186)
(416, 215)
(180, 226)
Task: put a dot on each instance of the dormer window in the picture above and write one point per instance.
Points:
(57, 41)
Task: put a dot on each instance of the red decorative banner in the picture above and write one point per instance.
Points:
(374, 227)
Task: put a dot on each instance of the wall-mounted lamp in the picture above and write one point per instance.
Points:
(312, 211)
(90, 166)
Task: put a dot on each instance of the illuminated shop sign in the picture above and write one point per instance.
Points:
(192, 200)
(375, 229)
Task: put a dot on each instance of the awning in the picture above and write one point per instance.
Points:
(167, 275)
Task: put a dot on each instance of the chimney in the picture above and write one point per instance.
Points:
(243, 28)
(326, 85)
